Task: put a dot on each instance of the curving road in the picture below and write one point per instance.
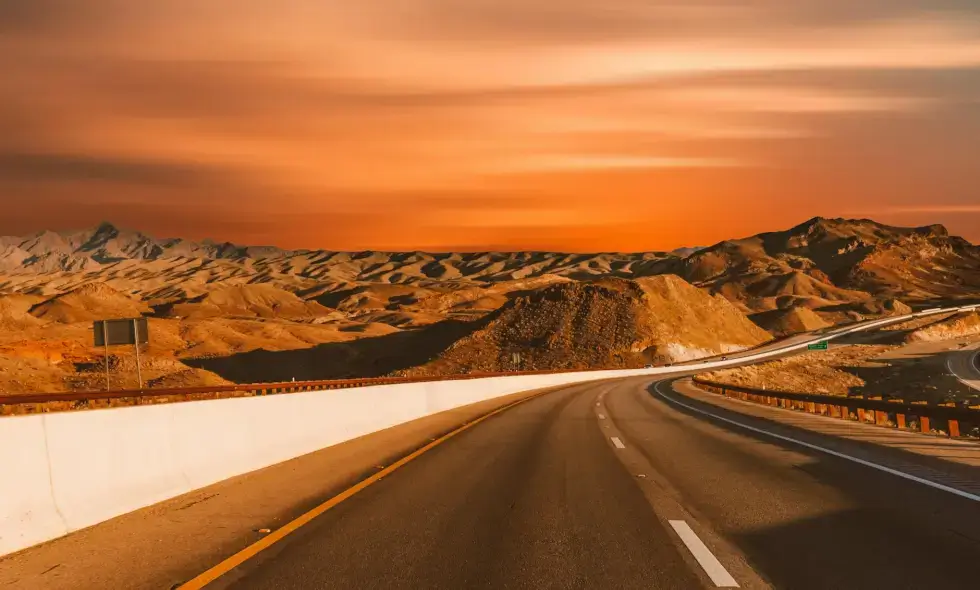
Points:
(964, 364)
(613, 485)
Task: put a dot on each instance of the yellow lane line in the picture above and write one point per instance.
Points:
(252, 550)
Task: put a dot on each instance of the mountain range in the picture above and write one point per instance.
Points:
(817, 264)
(221, 312)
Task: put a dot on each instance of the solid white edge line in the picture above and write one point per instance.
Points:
(619, 444)
(901, 474)
(709, 563)
(971, 363)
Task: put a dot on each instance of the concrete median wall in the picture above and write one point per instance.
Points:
(61, 472)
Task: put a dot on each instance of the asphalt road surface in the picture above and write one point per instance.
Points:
(609, 485)
(965, 365)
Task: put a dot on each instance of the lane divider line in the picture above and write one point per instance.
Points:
(618, 443)
(902, 474)
(602, 416)
(230, 563)
(709, 563)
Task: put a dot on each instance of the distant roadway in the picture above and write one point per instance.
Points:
(964, 364)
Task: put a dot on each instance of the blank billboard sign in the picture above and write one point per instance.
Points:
(119, 332)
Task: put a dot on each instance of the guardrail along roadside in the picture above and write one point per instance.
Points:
(948, 419)
(36, 403)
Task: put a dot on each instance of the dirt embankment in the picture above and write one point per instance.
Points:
(913, 372)
(957, 326)
(824, 372)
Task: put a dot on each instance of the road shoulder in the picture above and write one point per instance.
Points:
(954, 463)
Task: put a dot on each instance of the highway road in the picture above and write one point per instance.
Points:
(613, 485)
(964, 364)
(592, 485)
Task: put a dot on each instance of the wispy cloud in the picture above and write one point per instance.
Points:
(584, 162)
(795, 100)
(247, 104)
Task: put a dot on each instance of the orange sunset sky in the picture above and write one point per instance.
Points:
(580, 125)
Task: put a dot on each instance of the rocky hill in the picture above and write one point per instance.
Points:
(793, 320)
(823, 261)
(92, 301)
(607, 323)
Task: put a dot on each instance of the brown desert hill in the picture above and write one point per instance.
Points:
(404, 305)
(570, 324)
(15, 312)
(171, 271)
(255, 300)
(793, 320)
(603, 324)
(93, 301)
(886, 307)
(838, 260)
(817, 263)
(869, 308)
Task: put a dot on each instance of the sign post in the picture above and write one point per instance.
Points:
(822, 345)
(136, 333)
(105, 340)
(122, 332)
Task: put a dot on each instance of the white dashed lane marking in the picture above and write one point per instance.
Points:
(709, 563)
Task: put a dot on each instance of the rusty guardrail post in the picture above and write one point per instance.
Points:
(878, 414)
(952, 426)
(923, 419)
(880, 418)
(899, 417)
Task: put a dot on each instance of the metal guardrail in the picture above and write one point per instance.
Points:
(881, 411)
(30, 403)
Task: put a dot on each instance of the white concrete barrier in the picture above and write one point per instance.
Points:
(61, 472)
(28, 513)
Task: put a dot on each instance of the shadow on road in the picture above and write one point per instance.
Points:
(869, 529)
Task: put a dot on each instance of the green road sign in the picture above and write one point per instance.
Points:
(817, 345)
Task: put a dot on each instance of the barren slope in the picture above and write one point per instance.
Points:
(93, 301)
(603, 324)
(953, 327)
(259, 300)
(826, 261)
(782, 322)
